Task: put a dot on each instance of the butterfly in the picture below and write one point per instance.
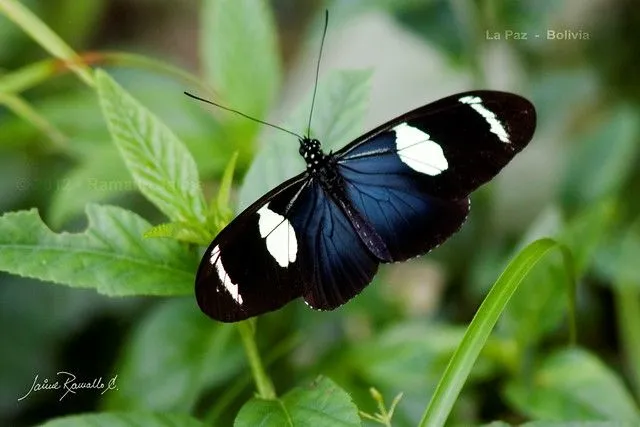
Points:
(392, 194)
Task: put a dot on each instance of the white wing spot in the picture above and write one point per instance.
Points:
(496, 127)
(418, 152)
(279, 235)
(231, 287)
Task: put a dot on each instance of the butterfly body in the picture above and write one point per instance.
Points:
(393, 194)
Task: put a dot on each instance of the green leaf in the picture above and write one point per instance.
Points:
(174, 354)
(240, 54)
(160, 164)
(604, 158)
(110, 256)
(479, 330)
(574, 385)
(180, 231)
(340, 107)
(321, 404)
(124, 419)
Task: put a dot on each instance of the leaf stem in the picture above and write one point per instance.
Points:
(45, 37)
(263, 383)
(34, 74)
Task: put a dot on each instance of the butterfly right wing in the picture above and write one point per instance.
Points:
(410, 178)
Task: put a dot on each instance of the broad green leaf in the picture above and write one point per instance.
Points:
(199, 129)
(172, 357)
(479, 330)
(339, 109)
(574, 385)
(240, 54)
(160, 164)
(604, 158)
(124, 419)
(322, 404)
(110, 256)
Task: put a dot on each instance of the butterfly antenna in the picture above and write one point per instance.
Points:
(190, 95)
(315, 86)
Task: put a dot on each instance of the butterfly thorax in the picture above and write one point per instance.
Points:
(311, 152)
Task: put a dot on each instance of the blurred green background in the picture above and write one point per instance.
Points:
(578, 180)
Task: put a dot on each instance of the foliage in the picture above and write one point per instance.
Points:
(538, 348)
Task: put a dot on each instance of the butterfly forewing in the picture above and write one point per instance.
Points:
(410, 178)
(453, 145)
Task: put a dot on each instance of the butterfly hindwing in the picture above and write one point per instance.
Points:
(337, 263)
(410, 178)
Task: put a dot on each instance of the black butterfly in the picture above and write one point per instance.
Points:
(390, 195)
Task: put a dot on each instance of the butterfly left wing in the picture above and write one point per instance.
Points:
(294, 241)
(410, 178)
(253, 265)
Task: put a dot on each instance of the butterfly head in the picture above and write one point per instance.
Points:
(311, 152)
